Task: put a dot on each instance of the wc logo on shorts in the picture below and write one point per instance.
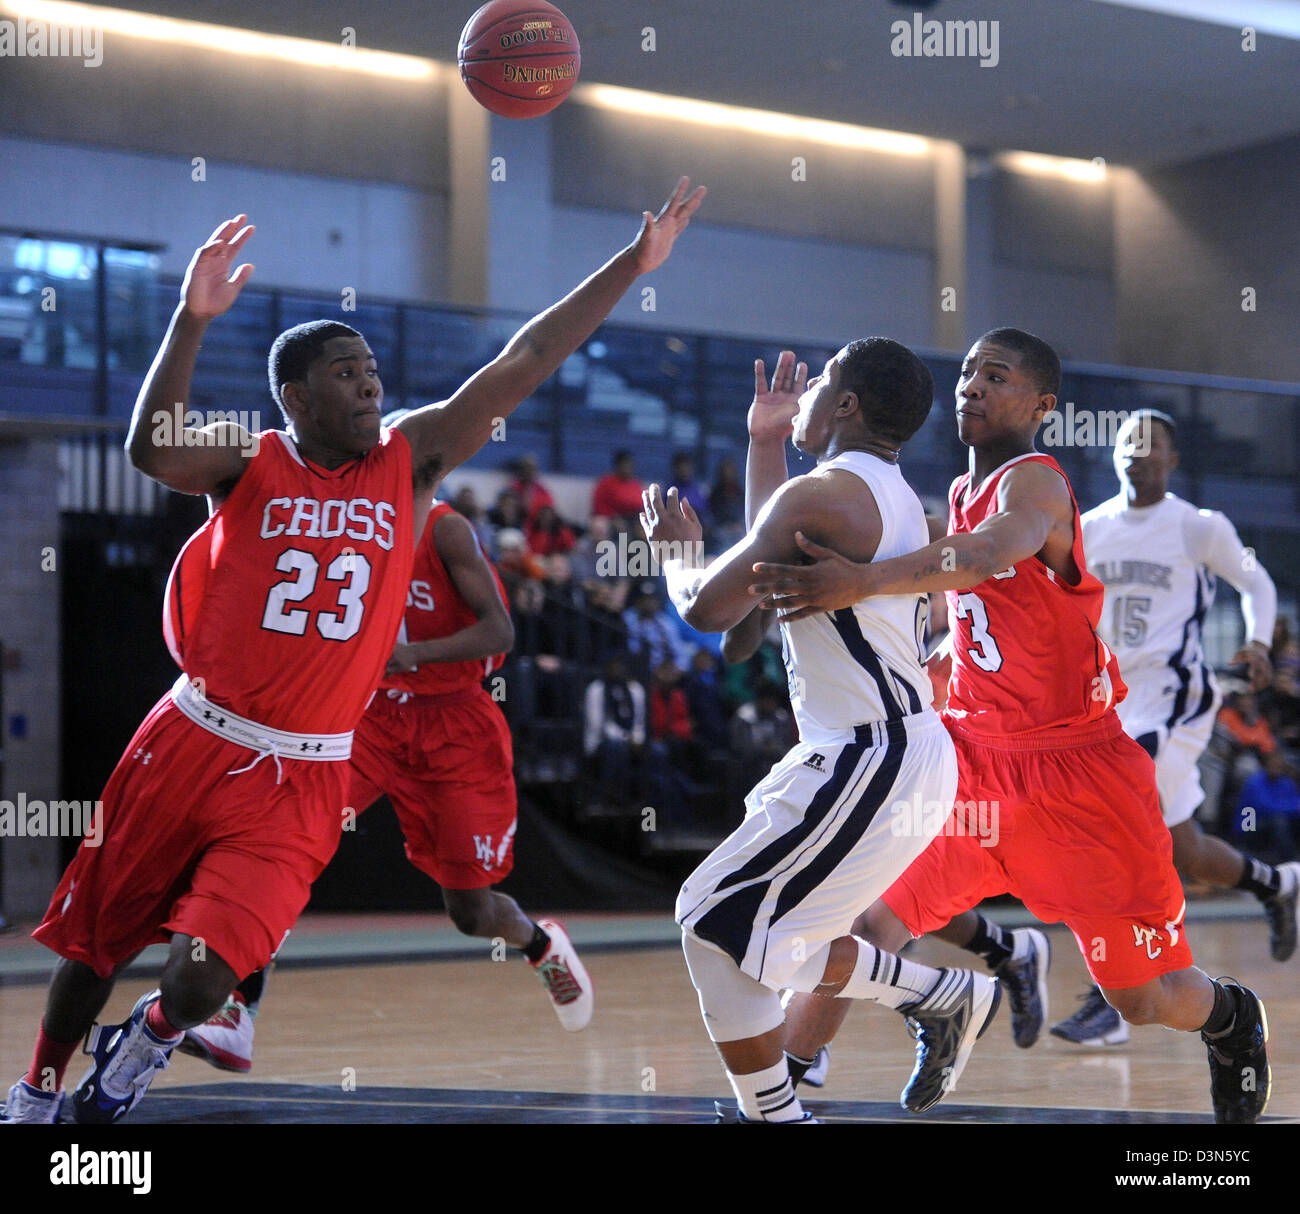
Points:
(484, 851)
(815, 761)
(1147, 936)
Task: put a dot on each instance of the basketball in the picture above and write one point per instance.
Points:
(519, 58)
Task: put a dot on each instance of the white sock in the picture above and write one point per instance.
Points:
(767, 1095)
(885, 978)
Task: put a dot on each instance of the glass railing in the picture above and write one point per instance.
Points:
(80, 323)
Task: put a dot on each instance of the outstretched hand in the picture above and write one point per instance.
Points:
(658, 232)
(774, 407)
(670, 520)
(210, 286)
(799, 591)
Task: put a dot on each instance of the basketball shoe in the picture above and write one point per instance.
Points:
(1024, 976)
(565, 978)
(1095, 1023)
(1280, 910)
(1239, 1074)
(226, 1039)
(729, 1114)
(127, 1057)
(30, 1106)
(946, 1025)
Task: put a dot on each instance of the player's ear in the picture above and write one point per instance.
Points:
(1046, 403)
(848, 405)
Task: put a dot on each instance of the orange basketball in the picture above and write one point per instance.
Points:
(519, 58)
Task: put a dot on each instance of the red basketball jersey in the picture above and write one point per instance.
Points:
(286, 602)
(1025, 649)
(434, 608)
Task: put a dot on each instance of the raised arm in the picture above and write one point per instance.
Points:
(1213, 540)
(1034, 506)
(216, 457)
(446, 434)
(491, 633)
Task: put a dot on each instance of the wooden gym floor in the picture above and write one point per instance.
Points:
(356, 1028)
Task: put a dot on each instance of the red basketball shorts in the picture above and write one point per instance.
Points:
(446, 764)
(189, 848)
(1075, 832)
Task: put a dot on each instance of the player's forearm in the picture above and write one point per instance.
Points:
(160, 407)
(698, 598)
(483, 639)
(955, 562)
(741, 641)
(550, 337)
(765, 473)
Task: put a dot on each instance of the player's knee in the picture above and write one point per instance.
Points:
(1138, 1005)
(470, 916)
(879, 925)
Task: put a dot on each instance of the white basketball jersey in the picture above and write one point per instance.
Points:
(863, 663)
(1157, 596)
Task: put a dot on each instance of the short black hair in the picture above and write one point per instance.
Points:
(1036, 356)
(894, 388)
(297, 348)
(1156, 415)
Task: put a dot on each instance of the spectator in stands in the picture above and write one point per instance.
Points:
(672, 758)
(465, 503)
(651, 635)
(1275, 799)
(521, 572)
(1240, 716)
(613, 731)
(1280, 703)
(727, 506)
(762, 732)
(683, 476)
(506, 512)
(549, 534)
(532, 494)
(618, 493)
(704, 693)
(593, 558)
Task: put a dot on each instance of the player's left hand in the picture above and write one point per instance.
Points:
(1256, 659)
(670, 520)
(403, 660)
(798, 591)
(655, 240)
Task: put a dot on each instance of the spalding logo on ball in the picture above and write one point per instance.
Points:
(519, 58)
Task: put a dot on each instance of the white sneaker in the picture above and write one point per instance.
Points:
(815, 1075)
(226, 1039)
(565, 978)
(30, 1106)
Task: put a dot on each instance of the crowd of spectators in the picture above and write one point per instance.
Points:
(1257, 742)
(661, 719)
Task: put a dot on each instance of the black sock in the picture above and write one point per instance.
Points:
(1263, 880)
(536, 948)
(991, 942)
(1223, 1016)
(798, 1066)
(251, 988)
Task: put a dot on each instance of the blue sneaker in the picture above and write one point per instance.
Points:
(127, 1057)
(946, 1024)
(1024, 977)
(1095, 1023)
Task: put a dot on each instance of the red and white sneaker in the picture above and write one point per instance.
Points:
(225, 1040)
(565, 978)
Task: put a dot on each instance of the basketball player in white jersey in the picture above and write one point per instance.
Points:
(1158, 557)
(873, 776)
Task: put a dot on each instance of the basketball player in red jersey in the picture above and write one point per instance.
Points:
(282, 611)
(436, 743)
(1031, 706)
